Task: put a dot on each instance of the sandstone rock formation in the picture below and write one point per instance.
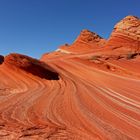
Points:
(126, 33)
(88, 37)
(89, 94)
(87, 40)
(30, 65)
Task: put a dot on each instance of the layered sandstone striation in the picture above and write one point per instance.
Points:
(75, 93)
(87, 40)
(126, 33)
(30, 65)
(89, 37)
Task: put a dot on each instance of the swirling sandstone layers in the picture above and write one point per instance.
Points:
(30, 65)
(70, 97)
(86, 41)
(126, 34)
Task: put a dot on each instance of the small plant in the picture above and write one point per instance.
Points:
(131, 55)
(66, 44)
(95, 57)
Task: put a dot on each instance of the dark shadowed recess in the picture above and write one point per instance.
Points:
(31, 65)
(1, 59)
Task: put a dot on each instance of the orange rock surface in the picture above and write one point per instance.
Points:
(126, 33)
(86, 41)
(75, 93)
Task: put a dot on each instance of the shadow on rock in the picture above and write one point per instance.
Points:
(31, 65)
(1, 59)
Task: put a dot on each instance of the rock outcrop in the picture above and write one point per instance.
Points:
(97, 96)
(30, 65)
(87, 36)
(86, 41)
(126, 34)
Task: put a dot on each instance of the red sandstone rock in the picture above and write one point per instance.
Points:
(86, 41)
(97, 96)
(126, 34)
(30, 65)
(88, 37)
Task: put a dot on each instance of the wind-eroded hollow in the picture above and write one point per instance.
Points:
(31, 65)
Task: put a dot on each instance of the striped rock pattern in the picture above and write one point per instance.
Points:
(67, 96)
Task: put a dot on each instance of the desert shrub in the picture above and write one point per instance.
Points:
(95, 57)
(131, 55)
(66, 44)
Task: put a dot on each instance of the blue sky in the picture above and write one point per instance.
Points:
(33, 27)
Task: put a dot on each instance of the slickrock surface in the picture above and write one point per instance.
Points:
(93, 95)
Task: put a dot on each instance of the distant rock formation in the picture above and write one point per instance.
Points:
(129, 26)
(87, 40)
(126, 33)
(88, 37)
